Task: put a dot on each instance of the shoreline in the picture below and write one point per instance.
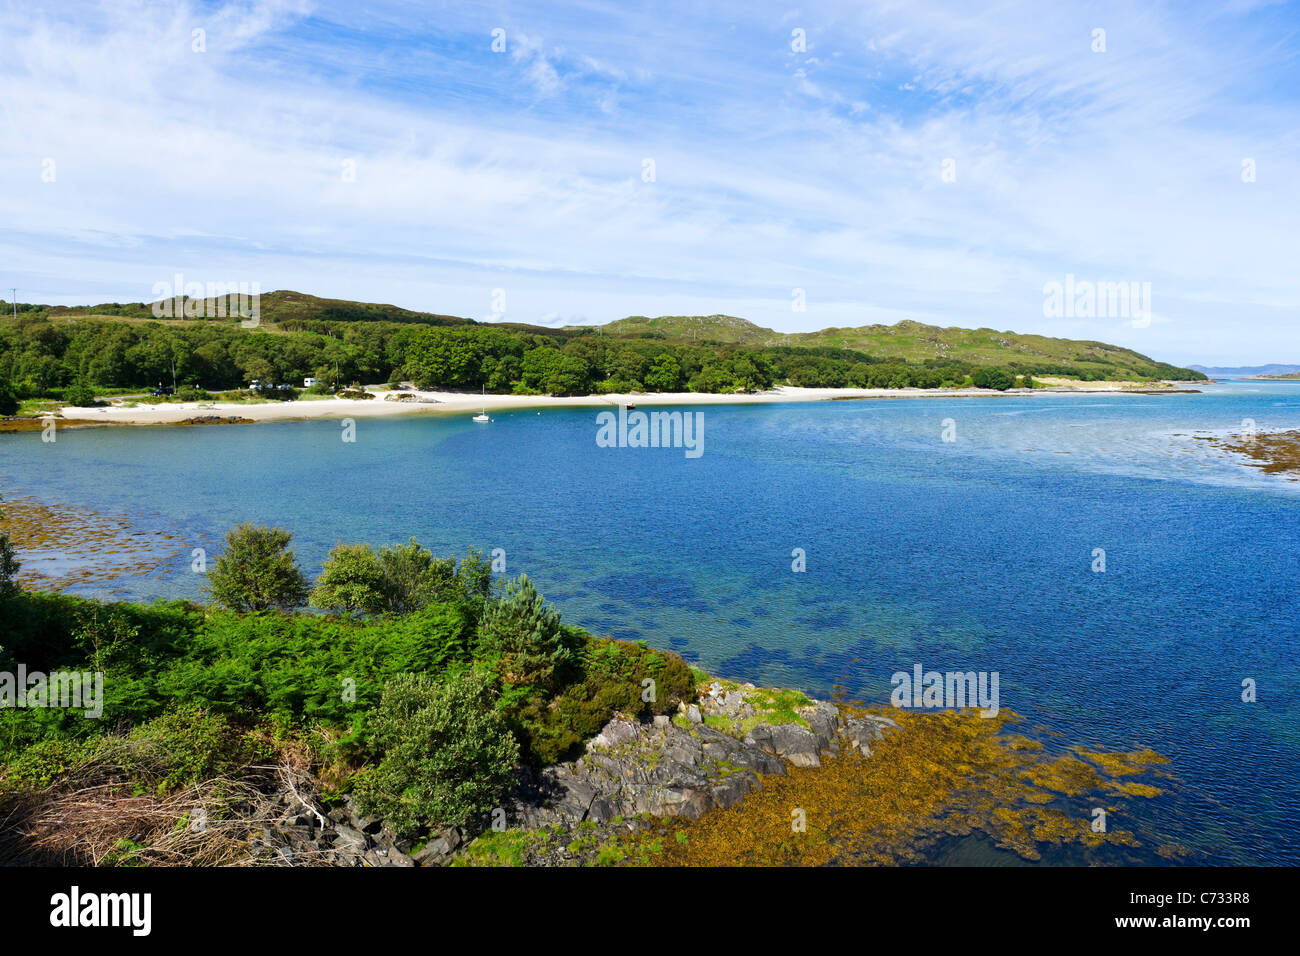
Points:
(445, 403)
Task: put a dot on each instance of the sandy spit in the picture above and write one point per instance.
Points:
(467, 403)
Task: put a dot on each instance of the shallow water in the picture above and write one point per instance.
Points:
(970, 555)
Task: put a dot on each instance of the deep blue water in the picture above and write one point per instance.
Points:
(970, 555)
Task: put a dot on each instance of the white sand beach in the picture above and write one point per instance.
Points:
(385, 402)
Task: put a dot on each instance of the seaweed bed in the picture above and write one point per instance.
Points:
(1275, 453)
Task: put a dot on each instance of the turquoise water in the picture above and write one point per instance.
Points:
(970, 555)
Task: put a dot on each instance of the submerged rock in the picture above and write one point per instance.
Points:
(630, 768)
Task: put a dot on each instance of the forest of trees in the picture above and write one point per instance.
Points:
(44, 358)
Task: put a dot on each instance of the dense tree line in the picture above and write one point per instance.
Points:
(44, 357)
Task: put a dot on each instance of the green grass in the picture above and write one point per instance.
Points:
(503, 848)
(772, 706)
(912, 342)
(36, 407)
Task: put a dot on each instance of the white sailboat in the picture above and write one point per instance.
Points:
(483, 416)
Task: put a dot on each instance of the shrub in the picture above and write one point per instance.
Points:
(414, 578)
(447, 757)
(610, 678)
(399, 579)
(352, 581)
(257, 571)
(520, 634)
(992, 377)
(175, 750)
(187, 746)
(79, 395)
(300, 666)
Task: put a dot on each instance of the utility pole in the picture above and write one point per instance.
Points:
(15, 292)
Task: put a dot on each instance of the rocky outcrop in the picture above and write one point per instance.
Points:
(216, 420)
(708, 757)
(631, 768)
(684, 767)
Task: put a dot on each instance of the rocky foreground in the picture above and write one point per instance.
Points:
(708, 756)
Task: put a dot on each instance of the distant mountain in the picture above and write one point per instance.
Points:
(1221, 371)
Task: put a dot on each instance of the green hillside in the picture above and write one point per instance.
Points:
(277, 308)
(907, 341)
(912, 342)
(52, 352)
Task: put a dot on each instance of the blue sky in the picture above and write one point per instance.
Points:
(776, 165)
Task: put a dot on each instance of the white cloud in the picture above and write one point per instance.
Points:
(475, 171)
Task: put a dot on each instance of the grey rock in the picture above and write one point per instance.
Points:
(431, 854)
(616, 733)
(378, 857)
(349, 838)
(788, 741)
(824, 720)
(732, 703)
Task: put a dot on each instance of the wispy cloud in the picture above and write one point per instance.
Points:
(907, 160)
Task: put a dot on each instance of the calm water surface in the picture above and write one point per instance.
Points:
(970, 555)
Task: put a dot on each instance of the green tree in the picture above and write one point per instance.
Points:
(927, 378)
(446, 357)
(79, 395)
(475, 574)
(257, 571)
(352, 581)
(993, 377)
(569, 376)
(500, 375)
(8, 397)
(713, 377)
(540, 367)
(752, 372)
(665, 375)
(258, 369)
(447, 755)
(521, 635)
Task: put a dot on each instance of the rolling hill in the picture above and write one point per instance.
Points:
(909, 341)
